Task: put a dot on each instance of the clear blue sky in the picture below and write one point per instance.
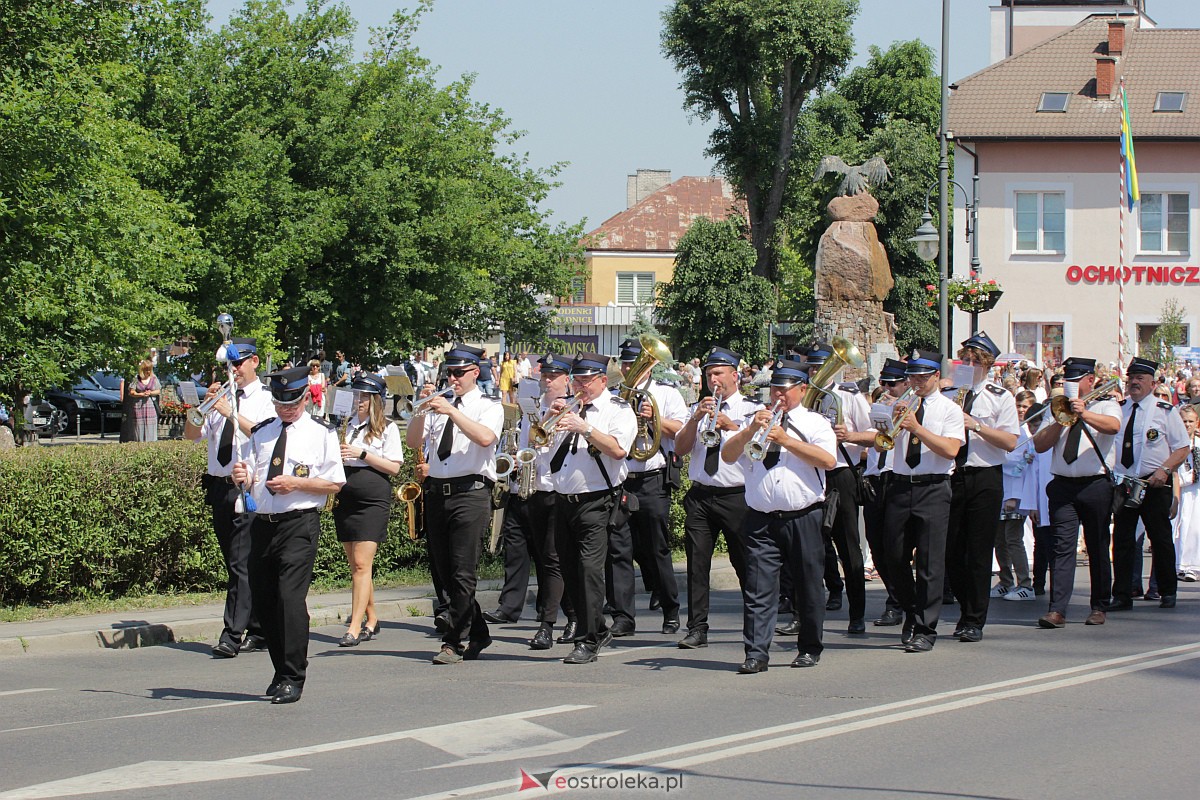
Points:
(588, 83)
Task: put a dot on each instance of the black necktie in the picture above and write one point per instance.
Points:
(712, 455)
(882, 459)
(913, 456)
(1127, 442)
(961, 459)
(225, 448)
(276, 467)
(569, 444)
(1071, 451)
(773, 448)
(446, 443)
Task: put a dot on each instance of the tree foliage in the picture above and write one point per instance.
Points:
(752, 65)
(713, 297)
(1171, 331)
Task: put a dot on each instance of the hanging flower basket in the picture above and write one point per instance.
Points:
(968, 294)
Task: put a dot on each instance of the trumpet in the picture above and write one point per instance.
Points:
(757, 447)
(709, 435)
(417, 408)
(906, 404)
(542, 431)
(647, 440)
(1060, 405)
(195, 416)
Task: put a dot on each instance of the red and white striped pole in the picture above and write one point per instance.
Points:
(1121, 346)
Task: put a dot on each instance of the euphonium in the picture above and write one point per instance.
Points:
(195, 416)
(709, 435)
(542, 431)
(649, 433)
(757, 447)
(1060, 405)
(905, 404)
(417, 408)
(821, 383)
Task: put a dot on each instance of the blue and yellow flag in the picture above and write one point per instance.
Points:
(1132, 195)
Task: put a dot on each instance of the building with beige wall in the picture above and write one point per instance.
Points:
(1041, 130)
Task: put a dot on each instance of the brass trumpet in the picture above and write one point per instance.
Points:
(1060, 405)
(542, 431)
(633, 391)
(910, 402)
(821, 383)
(757, 447)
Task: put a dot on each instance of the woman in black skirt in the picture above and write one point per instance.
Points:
(372, 453)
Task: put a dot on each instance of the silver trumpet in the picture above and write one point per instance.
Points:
(196, 415)
(709, 435)
(756, 448)
(417, 408)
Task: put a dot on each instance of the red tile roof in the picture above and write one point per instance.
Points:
(1001, 100)
(657, 222)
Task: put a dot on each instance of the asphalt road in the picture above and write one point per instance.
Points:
(1083, 712)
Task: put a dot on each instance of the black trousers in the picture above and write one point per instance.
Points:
(528, 535)
(650, 527)
(581, 536)
(281, 568)
(770, 542)
(977, 495)
(1155, 514)
(1043, 544)
(844, 537)
(618, 573)
(916, 520)
(874, 527)
(455, 525)
(233, 534)
(1076, 501)
(708, 515)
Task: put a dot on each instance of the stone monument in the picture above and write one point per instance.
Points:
(853, 274)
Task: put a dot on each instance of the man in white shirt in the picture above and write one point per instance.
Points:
(1080, 492)
(918, 501)
(785, 494)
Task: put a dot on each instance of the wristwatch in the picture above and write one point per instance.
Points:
(977, 426)
(363, 455)
(587, 433)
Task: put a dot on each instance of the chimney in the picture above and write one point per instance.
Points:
(1106, 77)
(1116, 38)
(644, 183)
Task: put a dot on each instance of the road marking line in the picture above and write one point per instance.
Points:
(146, 775)
(130, 716)
(899, 711)
(25, 691)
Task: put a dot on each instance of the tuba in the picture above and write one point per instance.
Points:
(821, 384)
(633, 391)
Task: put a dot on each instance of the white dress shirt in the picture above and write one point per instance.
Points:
(1158, 431)
(312, 451)
(579, 473)
(670, 406)
(390, 445)
(255, 405)
(793, 483)
(994, 407)
(941, 417)
(856, 415)
(739, 409)
(1088, 463)
(466, 457)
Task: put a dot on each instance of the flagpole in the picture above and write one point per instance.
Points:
(1121, 277)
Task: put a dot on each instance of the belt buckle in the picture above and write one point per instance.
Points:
(447, 490)
(573, 498)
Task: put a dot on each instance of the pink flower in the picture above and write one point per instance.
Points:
(929, 303)
(972, 273)
(991, 283)
(930, 287)
(972, 291)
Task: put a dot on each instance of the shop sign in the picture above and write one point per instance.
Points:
(1145, 275)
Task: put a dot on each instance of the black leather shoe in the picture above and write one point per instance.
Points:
(542, 640)
(834, 603)
(568, 634)
(288, 693)
(224, 650)
(890, 616)
(498, 617)
(582, 654)
(971, 633)
(906, 634)
(369, 633)
(857, 626)
(807, 660)
(790, 629)
(608, 609)
(1137, 592)
(958, 630)
(670, 626)
(474, 648)
(273, 689)
(1118, 605)
(349, 641)
(1168, 601)
(751, 666)
(919, 644)
(655, 603)
(1152, 596)
(622, 627)
(948, 599)
(441, 623)
(693, 640)
(253, 644)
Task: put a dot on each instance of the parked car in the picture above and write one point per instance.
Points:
(97, 409)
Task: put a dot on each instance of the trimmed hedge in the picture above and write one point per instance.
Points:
(84, 522)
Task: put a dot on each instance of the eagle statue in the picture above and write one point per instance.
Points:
(855, 180)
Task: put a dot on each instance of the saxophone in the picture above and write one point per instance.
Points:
(331, 501)
(412, 495)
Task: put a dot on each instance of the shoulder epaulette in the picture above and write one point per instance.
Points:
(1166, 406)
(618, 401)
(850, 387)
(262, 424)
(996, 389)
(325, 422)
(1120, 402)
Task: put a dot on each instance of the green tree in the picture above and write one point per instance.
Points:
(753, 64)
(714, 297)
(1170, 331)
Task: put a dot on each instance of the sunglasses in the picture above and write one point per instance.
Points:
(460, 371)
(239, 362)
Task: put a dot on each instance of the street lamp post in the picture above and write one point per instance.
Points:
(928, 242)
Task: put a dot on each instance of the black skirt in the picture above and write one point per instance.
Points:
(363, 506)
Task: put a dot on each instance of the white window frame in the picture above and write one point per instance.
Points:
(1165, 190)
(638, 292)
(1041, 193)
